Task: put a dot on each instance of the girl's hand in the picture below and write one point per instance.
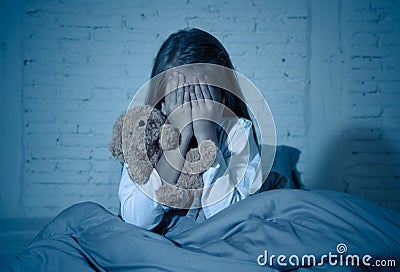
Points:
(206, 110)
(179, 114)
(177, 105)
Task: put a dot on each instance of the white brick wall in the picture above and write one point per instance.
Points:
(355, 85)
(82, 61)
(372, 99)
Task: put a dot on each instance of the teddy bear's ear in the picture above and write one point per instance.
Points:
(169, 138)
(115, 144)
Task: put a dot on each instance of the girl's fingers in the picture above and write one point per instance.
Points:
(212, 93)
(175, 84)
(179, 96)
(181, 80)
(168, 85)
(186, 96)
(167, 95)
(215, 92)
(198, 92)
(206, 92)
(205, 89)
(193, 98)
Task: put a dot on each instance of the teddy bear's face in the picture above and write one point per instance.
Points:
(152, 126)
(140, 135)
(138, 121)
(143, 122)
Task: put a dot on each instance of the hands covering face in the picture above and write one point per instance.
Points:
(194, 109)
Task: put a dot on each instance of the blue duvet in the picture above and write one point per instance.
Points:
(275, 230)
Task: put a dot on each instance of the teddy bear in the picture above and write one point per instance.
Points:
(138, 139)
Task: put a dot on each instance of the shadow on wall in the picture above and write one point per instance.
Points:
(362, 162)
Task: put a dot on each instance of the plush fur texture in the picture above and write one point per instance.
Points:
(139, 137)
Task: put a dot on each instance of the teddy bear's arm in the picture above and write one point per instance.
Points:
(169, 138)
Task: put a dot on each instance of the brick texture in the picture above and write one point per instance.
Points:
(371, 100)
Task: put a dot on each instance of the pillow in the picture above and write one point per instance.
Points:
(284, 173)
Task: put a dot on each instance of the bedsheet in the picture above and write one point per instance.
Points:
(299, 225)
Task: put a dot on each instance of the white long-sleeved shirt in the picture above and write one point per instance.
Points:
(227, 181)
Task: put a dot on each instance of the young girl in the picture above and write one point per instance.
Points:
(183, 107)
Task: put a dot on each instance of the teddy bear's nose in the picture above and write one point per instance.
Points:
(141, 123)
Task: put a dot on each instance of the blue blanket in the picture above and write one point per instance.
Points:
(271, 231)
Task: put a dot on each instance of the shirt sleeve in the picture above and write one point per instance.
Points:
(138, 206)
(225, 184)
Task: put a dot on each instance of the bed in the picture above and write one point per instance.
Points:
(274, 230)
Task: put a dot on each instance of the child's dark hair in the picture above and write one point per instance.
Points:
(192, 45)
